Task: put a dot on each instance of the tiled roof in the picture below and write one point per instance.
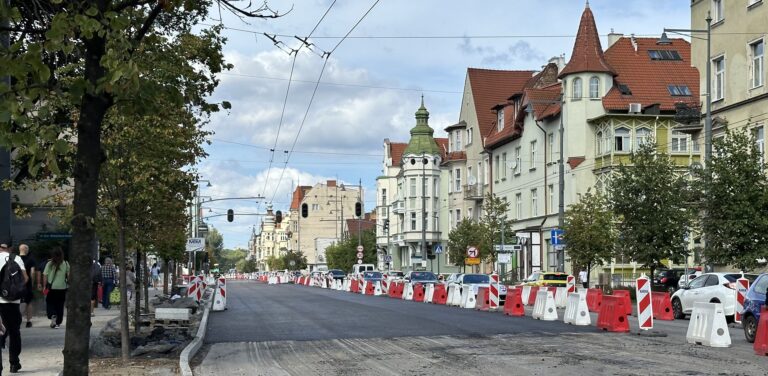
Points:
(396, 150)
(443, 144)
(539, 99)
(647, 79)
(491, 87)
(298, 196)
(587, 55)
(455, 156)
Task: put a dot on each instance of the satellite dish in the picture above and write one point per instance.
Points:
(511, 165)
(471, 180)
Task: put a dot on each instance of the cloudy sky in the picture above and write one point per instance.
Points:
(371, 84)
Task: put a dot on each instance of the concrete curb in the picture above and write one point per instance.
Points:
(197, 342)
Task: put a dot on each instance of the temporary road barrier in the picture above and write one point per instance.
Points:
(761, 334)
(468, 299)
(483, 299)
(363, 286)
(624, 294)
(662, 307)
(408, 291)
(440, 294)
(532, 295)
(570, 284)
(526, 294)
(644, 303)
(544, 309)
(418, 292)
(594, 299)
(385, 284)
(354, 286)
(194, 291)
(561, 297)
(370, 287)
(742, 285)
(220, 295)
(708, 326)
(454, 295)
(513, 306)
(576, 311)
(613, 315)
(493, 292)
(377, 290)
(429, 292)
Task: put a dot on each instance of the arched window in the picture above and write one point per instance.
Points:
(599, 142)
(594, 87)
(621, 139)
(642, 135)
(577, 90)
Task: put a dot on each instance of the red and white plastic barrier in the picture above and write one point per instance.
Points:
(742, 285)
(570, 284)
(644, 303)
(220, 297)
(493, 292)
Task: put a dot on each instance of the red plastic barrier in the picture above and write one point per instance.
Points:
(397, 290)
(662, 306)
(594, 299)
(354, 287)
(483, 299)
(440, 295)
(624, 294)
(613, 315)
(532, 295)
(761, 336)
(513, 305)
(553, 290)
(370, 287)
(418, 292)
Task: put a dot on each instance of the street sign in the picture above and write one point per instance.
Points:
(438, 249)
(472, 252)
(359, 261)
(359, 255)
(360, 248)
(195, 244)
(507, 247)
(523, 234)
(505, 258)
(473, 261)
(556, 236)
(388, 259)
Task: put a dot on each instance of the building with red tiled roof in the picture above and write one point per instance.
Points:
(587, 55)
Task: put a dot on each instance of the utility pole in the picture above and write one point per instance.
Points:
(360, 200)
(561, 187)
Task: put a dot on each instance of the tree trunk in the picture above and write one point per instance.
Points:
(145, 286)
(87, 163)
(166, 269)
(137, 289)
(589, 271)
(125, 339)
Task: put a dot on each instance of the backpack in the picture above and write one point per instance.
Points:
(12, 286)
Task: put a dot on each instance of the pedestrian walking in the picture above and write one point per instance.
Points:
(95, 282)
(55, 277)
(108, 279)
(130, 281)
(583, 278)
(29, 267)
(10, 314)
(155, 273)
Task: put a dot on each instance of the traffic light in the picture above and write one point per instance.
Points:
(430, 253)
(230, 215)
(278, 216)
(304, 210)
(386, 225)
(358, 209)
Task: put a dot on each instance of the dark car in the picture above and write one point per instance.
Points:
(667, 279)
(753, 302)
(421, 277)
(336, 274)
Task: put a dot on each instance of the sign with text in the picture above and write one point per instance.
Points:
(473, 261)
(195, 244)
(505, 258)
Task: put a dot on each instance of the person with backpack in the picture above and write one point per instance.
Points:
(13, 283)
(95, 281)
(55, 277)
(29, 266)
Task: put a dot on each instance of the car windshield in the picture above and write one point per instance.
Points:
(476, 278)
(555, 277)
(372, 275)
(735, 276)
(423, 276)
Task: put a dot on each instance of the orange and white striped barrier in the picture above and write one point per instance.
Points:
(220, 295)
(570, 284)
(493, 293)
(742, 285)
(644, 303)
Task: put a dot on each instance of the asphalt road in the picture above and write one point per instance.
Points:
(297, 330)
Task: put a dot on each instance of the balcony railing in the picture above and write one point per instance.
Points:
(399, 206)
(473, 192)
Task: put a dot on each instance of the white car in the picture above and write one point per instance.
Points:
(684, 279)
(708, 288)
(475, 281)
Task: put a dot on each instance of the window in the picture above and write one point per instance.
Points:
(577, 88)
(457, 140)
(450, 179)
(413, 187)
(718, 82)
(486, 178)
(496, 169)
(384, 197)
(458, 217)
(450, 220)
(479, 172)
(756, 50)
(458, 180)
(624, 89)
(315, 207)
(503, 166)
(643, 135)
(500, 119)
(621, 140)
(599, 142)
(519, 206)
(533, 155)
(551, 146)
(717, 11)
(759, 133)
(412, 203)
(518, 161)
(470, 214)
(469, 136)
(470, 178)
(534, 202)
(551, 198)
(413, 221)
(679, 90)
(679, 142)
(594, 87)
(436, 188)
(664, 55)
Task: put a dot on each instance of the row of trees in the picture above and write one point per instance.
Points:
(654, 208)
(343, 255)
(290, 260)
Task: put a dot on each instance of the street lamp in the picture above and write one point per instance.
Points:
(708, 119)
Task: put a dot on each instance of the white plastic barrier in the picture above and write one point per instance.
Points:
(429, 290)
(468, 298)
(526, 294)
(452, 293)
(576, 310)
(708, 326)
(220, 295)
(408, 291)
(377, 291)
(544, 309)
(561, 297)
(347, 284)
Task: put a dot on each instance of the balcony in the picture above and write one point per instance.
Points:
(399, 206)
(473, 192)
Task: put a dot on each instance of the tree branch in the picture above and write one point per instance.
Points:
(130, 3)
(148, 23)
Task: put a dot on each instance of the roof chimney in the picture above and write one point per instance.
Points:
(559, 61)
(613, 38)
(331, 183)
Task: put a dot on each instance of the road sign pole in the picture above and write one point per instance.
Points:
(438, 263)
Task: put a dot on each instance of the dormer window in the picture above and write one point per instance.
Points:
(500, 119)
(679, 90)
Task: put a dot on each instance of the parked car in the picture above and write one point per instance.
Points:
(685, 279)
(475, 281)
(755, 300)
(708, 288)
(546, 279)
(667, 279)
(421, 277)
(336, 274)
(452, 278)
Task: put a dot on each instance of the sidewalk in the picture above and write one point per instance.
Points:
(41, 346)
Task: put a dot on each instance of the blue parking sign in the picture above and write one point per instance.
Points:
(556, 237)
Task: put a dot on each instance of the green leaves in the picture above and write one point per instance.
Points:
(590, 232)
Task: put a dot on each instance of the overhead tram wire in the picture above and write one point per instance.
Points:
(314, 92)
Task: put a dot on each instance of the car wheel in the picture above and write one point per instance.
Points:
(750, 328)
(677, 309)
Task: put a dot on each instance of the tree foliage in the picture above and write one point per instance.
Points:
(298, 258)
(494, 220)
(342, 255)
(467, 233)
(275, 263)
(245, 265)
(734, 203)
(651, 199)
(230, 257)
(590, 231)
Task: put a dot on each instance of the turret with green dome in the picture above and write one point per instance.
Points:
(422, 140)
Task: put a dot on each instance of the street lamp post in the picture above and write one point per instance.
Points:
(708, 116)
